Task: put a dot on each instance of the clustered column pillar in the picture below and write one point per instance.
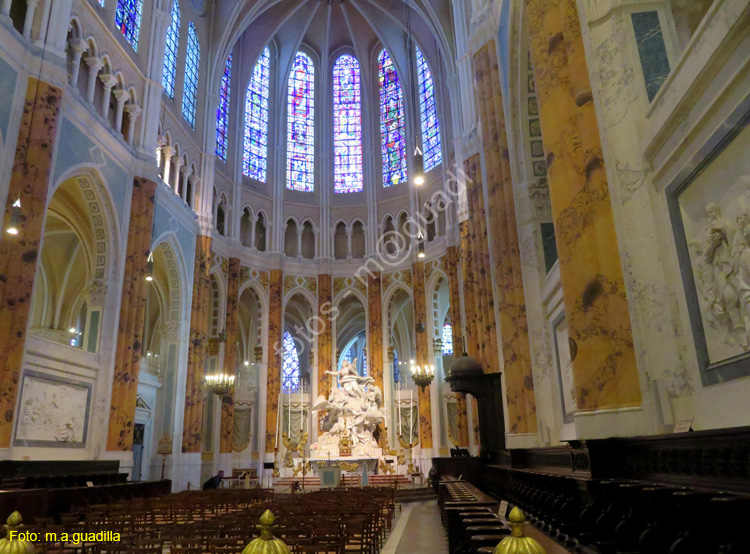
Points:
(596, 306)
(132, 315)
(198, 347)
(29, 183)
(451, 259)
(231, 352)
(273, 379)
(423, 355)
(325, 338)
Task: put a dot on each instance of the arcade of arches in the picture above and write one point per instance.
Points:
(274, 191)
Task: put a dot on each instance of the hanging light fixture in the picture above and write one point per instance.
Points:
(418, 167)
(150, 267)
(15, 218)
(422, 375)
(220, 384)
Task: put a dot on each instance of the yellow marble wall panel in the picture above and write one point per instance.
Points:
(197, 348)
(273, 380)
(604, 367)
(470, 310)
(325, 338)
(423, 355)
(29, 181)
(451, 258)
(519, 384)
(375, 328)
(231, 351)
(129, 347)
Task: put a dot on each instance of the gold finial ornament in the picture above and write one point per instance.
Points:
(15, 546)
(517, 543)
(267, 543)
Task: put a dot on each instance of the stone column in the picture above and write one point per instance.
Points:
(121, 96)
(5, 8)
(451, 260)
(193, 420)
(252, 230)
(423, 355)
(300, 228)
(29, 182)
(375, 328)
(507, 267)
(182, 191)
(29, 21)
(78, 46)
(273, 379)
(109, 82)
(596, 306)
(132, 315)
(231, 351)
(134, 111)
(166, 153)
(95, 65)
(348, 243)
(325, 339)
(176, 185)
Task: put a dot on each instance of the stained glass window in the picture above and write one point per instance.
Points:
(447, 339)
(300, 143)
(347, 126)
(393, 136)
(222, 112)
(430, 124)
(170, 52)
(128, 20)
(255, 147)
(363, 371)
(192, 62)
(396, 370)
(290, 365)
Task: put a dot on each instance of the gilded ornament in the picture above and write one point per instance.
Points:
(15, 546)
(517, 543)
(266, 543)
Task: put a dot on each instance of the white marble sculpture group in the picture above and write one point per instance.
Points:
(355, 408)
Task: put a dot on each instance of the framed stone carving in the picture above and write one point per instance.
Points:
(710, 210)
(53, 412)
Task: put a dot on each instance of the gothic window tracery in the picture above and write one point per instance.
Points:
(347, 126)
(301, 125)
(392, 125)
(255, 143)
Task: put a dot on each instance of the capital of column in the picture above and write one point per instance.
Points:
(121, 95)
(78, 45)
(94, 63)
(134, 110)
(97, 292)
(167, 151)
(108, 80)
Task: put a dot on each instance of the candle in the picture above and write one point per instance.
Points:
(411, 414)
(278, 420)
(301, 417)
(398, 407)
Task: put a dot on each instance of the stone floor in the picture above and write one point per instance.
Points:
(418, 530)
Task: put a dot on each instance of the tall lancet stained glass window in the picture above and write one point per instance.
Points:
(290, 365)
(170, 51)
(192, 63)
(300, 144)
(255, 144)
(347, 126)
(447, 339)
(433, 155)
(128, 20)
(222, 112)
(392, 132)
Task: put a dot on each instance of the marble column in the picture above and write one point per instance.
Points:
(471, 344)
(596, 306)
(273, 379)
(198, 347)
(29, 182)
(325, 338)
(423, 355)
(375, 328)
(132, 315)
(451, 260)
(231, 352)
(516, 352)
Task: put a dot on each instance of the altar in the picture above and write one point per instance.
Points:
(330, 469)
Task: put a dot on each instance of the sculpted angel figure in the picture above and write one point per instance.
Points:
(352, 383)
